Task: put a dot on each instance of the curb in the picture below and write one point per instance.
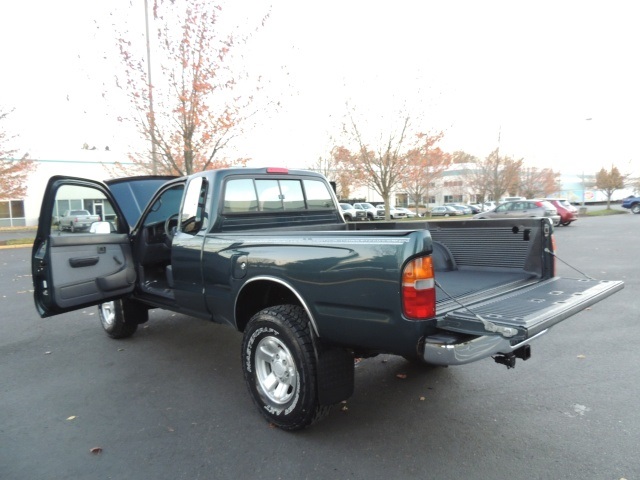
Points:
(6, 247)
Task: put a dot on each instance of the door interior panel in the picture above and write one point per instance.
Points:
(88, 268)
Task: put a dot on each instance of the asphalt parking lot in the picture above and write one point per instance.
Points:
(170, 402)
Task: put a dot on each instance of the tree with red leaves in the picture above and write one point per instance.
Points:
(13, 171)
(427, 163)
(608, 181)
(538, 182)
(197, 102)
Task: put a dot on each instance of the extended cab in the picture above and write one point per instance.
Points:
(267, 252)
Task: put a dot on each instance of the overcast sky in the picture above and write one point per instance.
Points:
(527, 73)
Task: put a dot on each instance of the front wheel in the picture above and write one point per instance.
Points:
(636, 208)
(279, 367)
(120, 318)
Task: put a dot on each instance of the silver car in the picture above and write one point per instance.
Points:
(445, 211)
(523, 208)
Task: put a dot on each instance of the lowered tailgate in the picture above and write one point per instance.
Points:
(521, 314)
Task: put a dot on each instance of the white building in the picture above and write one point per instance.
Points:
(93, 164)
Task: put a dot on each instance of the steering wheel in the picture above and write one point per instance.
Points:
(167, 225)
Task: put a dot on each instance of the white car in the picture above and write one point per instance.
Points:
(407, 212)
(370, 210)
(393, 212)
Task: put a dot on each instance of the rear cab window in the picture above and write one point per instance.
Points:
(248, 195)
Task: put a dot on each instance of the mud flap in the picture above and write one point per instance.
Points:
(335, 375)
(523, 313)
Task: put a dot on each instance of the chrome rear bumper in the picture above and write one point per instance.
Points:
(448, 349)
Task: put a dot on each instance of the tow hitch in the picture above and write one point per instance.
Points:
(509, 359)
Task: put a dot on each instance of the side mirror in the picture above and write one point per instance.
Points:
(100, 227)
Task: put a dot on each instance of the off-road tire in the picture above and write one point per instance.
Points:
(279, 366)
(120, 318)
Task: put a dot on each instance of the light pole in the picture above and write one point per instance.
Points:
(152, 116)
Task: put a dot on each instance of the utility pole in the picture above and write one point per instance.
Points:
(152, 115)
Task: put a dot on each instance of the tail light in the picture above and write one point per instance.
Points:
(418, 289)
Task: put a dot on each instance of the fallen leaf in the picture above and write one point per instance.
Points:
(422, 399)
(344, 408)
(47, 353)
(72, 417)
(170, 429)
(401, 375)
(96, 450)
(582, 356)
(121, 349)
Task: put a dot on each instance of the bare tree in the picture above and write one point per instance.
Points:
(385, 164)
(609, 181)
(494, 176)
(13, 171)
(338, 168)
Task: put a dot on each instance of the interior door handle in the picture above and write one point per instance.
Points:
(79, 262)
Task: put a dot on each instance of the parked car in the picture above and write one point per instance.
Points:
(445, 211)
(407, 212)
(463, 208)
(393, 212)
(512, 199)
(487, 206)
(632, 203)
(350, 213)
(76, 220)
(370, 211)
(568, 213)
(474, 208)
(523, 208)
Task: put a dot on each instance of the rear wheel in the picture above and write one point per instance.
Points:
(280, 368)
(120, 318)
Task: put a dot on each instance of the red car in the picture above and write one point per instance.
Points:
(568, 213)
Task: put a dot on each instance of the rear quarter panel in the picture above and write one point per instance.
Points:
(349, 281)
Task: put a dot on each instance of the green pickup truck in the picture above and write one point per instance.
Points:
(267, 252)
